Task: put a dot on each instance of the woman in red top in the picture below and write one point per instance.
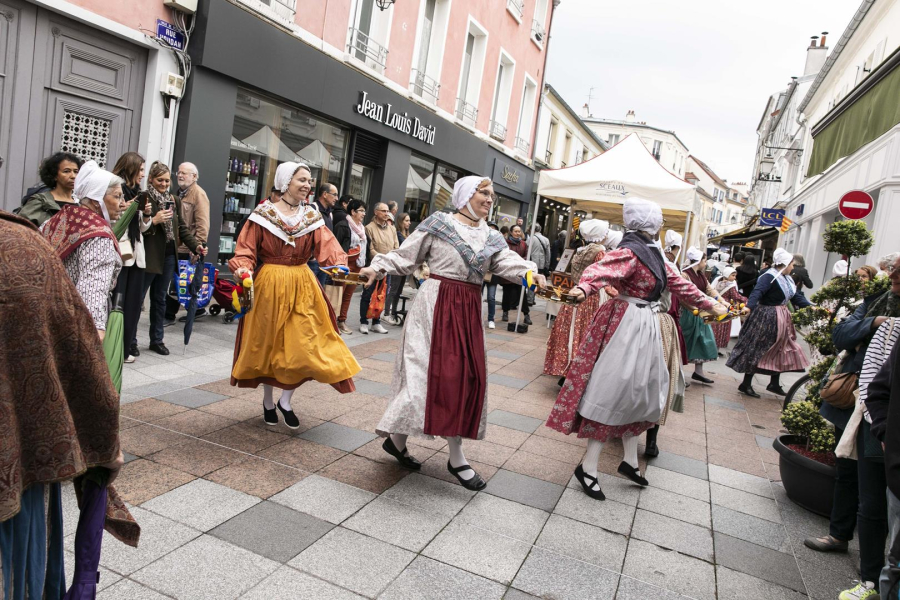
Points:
(512, 290)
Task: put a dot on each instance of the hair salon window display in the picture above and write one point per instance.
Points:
(619, 382)
(440, 378)
(291, 335)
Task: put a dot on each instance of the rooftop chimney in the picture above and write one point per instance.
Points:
(815, 55)
(585, 111)
(629, 116)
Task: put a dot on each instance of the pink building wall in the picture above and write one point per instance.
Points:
(136, 14)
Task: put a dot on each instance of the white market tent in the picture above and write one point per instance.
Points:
(602, 184)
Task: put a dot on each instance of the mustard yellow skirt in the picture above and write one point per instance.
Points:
(290, 336)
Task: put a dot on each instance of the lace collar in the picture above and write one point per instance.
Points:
(285, 228)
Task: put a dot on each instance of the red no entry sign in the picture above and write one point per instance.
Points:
(856, 205)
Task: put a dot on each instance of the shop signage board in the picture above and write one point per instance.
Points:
(856, 205)
(509, 175)
(402, 122)
(770, 217)
(167, 32)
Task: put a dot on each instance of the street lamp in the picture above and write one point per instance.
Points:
(383, 4)
(766, 164)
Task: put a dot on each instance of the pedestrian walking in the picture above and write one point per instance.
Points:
(768, 341)
(511, 289)
(289, 336)
(326, 199)
(619, 380)
(540, 251)
(382, 238)
(351, 235)
(395, 289)
(699, 340)
(161, 239)
(58, 173)
(194, 214)
(130, 285)
(440, 377)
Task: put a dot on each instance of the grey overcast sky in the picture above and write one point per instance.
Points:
(702, 68)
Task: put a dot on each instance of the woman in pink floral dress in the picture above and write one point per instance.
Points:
(618, 383)
(726, 285)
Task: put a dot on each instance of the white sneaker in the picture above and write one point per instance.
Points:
(129, 360)
(364, 329)
(390, 320)
(491, 325)
(377, 328)
(864, 590)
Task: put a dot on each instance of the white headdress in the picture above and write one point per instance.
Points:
(593, 230)
(673, 240)
(642, 215)
(839, 269)
(782, 257)
(613, 240)
(91, 183)
(464, 189)
(285, 172)
(694, 256)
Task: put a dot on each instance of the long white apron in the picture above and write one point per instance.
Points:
(630, 381)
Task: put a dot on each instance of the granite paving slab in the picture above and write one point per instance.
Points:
(584, 542)
(513, 420)
(745, 502)
(159, 536)
(219, 503)
(734, 585)
(126, 589)
(607, 514)
(680, 464)
(503, 355)
(191, 397)
(510, 382)
(289, 584)
(672, 481)
(388, 357)
(337, 436)
(551, 575)
(634, 589)
(615, 487)
(505, 517)
(478, 551)
(324, 498)
(751, 529)
(524, 490)
(673, 534)
(427, 579)
(740, 481)
(763, 563)
(397, 524)
(373, 388)
(712, 400)
(670, 570)
(675, 506)
(429, 494)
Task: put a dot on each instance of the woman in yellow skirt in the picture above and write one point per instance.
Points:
(290, 336)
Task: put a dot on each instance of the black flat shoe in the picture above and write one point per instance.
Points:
(133, 351)
(290, 419)
(586, 482)
(702, 379)
(651, 449)
(748, 391)
(270, 416)
(160, 349)
(406, 461)
(475, 483)
(632, 474)
(776, 389)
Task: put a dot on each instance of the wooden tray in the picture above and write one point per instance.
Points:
(556, 294)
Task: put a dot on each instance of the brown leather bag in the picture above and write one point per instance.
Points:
(839, 390)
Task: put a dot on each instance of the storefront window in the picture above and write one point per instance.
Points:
(506, 211)
(267, 133)
(418, 188)
(443, 189)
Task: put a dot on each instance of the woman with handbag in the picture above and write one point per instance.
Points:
(852, 337)
(290, 336)
(768, 340)
(351, 235)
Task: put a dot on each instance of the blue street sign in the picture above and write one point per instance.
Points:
(167, 32)
(771, 217)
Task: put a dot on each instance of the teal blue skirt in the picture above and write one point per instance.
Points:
(698, 338)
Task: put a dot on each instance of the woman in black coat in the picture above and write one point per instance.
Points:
(800, 275)
(747, 274)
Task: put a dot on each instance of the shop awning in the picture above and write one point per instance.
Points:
(742, 236)
(867, 112)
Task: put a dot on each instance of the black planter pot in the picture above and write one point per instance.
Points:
(807, 482)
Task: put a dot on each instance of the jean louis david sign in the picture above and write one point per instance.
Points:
(384, 114)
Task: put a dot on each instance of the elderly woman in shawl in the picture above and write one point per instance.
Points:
(571, 322)
(440, 377)
(768, 341)
(61, 410)
(618, 384)
(291, 334)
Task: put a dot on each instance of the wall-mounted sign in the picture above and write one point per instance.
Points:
(167, 32)
(770, 217)
(401, 122)
(510, 175)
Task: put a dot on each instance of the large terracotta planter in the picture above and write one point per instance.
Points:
(807, 482)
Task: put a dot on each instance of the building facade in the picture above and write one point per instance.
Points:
(840, 130)
(664, 145)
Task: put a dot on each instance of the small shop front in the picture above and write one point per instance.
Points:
(355, 133)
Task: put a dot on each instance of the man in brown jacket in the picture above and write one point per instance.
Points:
(382, 238)
(195, 214)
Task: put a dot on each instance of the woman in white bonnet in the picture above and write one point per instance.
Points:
(726, 285)
(768, 341)
(618, 383)
(440, 377)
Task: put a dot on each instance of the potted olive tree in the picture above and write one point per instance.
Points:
(807, 461)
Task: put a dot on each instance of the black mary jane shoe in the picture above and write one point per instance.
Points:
(474, 483)
(702, 379)
(586, 482)
(776, 389)
(290, 419)
(406, 461)
(748, 391)
(632, 474)
(270, 416)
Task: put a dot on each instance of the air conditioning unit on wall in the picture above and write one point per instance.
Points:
(185, 6)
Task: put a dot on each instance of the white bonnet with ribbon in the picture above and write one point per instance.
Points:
(91, 183)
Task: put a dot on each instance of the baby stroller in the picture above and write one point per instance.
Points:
(222, 295)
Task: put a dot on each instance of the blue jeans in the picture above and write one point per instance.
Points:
(321, 276)
(364, 306)
(491, 299)
(158, 284)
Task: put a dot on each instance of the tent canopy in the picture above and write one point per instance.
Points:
(602, 184)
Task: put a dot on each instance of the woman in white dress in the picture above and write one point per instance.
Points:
(440, 378)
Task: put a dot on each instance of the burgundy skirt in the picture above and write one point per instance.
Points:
(457, 371)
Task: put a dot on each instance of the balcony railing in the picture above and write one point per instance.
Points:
(517, 8)
(522, 145)
(498, 131)
(280, 11)
(465, 112)
(367, 50)
(424, 86)
(537, 31)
